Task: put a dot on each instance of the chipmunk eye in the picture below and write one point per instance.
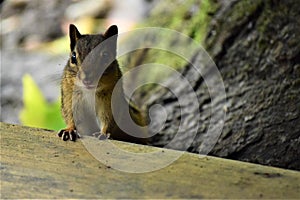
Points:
(73, 58)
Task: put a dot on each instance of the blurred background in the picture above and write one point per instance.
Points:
(35, 48)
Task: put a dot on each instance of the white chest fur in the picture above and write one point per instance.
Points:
(84, 112)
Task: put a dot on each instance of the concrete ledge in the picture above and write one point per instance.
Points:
(35, 163)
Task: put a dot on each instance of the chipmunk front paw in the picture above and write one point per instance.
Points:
(101, 136)
(68, 134)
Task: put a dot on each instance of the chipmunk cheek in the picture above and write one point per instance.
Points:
(80, 75)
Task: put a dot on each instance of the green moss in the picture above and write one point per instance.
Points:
(155, 57)
(243, 9)
(199, 24)
(190, 17)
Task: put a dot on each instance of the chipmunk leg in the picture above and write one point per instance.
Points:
(68, 133)
(102, 135)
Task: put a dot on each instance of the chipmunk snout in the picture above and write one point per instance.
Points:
(87, 78)
(87, 81)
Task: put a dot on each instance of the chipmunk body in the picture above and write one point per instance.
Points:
(93, 99)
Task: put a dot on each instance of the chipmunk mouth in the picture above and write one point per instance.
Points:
(90, 86)
(86, 83)
(82, 84)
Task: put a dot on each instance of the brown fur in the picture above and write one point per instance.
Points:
(90, 57)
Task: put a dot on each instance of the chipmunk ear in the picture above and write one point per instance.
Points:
(74, 35)
(111, 31)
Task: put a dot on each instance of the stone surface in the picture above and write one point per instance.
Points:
(35, 163)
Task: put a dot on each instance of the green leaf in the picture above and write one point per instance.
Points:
(37, 111)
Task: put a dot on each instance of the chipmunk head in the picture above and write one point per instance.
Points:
(92, 56)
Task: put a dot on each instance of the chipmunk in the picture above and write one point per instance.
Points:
(92, 95)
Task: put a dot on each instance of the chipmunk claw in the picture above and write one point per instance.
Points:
(101, 136)
(68, 134)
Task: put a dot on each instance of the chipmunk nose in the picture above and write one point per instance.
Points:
(87, 78)
(87, 81)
